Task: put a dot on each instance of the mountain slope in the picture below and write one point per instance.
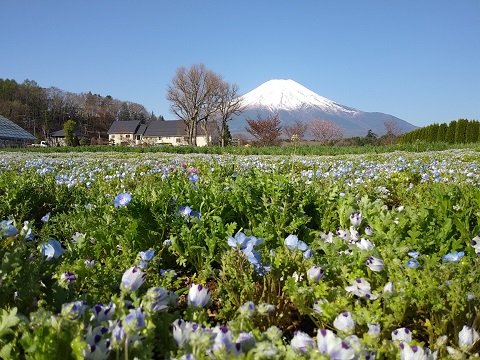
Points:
(293, 101)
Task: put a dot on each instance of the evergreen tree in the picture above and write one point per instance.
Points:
(442, 132)
(450, 136)
(432, 136)
(460, 131)
(471, 135)
(69, 130)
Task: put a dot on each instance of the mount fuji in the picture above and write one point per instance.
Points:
(292, 101)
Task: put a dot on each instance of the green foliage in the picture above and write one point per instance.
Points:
(69, 129)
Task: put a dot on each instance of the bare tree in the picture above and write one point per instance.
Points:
(230, 104)
(324, 130)
(391, 127)
(267, 131)
(298, 128)
(194, 97)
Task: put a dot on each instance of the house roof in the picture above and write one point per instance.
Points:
(124, 127)
(141, 129)
(169, 128)
(61, 134)
(11, 131)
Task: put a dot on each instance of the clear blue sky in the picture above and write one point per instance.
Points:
(417, 60)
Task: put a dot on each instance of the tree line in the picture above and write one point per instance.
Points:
(42, 111)
(461, 131)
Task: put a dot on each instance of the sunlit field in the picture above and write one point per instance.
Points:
(154, 255)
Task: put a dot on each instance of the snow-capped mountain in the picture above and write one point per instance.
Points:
(293, 101)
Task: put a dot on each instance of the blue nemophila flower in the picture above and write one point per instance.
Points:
(134, 321)
(315, 273)
(122, 199)
(246, 340)
(145, 257)
(51, 249)
(193, 178)
(223, 339)
(402, 334)
(265, 309)
(317, 305)
(26, 231)
(389, 288)
(333, 346)
(302, 342)
(308, 254)
(7, 230)
(187, 211)
(374, 263)
(247, 310)
(453, 257)
(414, 254)
(293, 243)
(158, 299)
(132, 279)
(412, 264)
(344, 322)
(45, 218)
(364, 244)
(103, 312)
(198, 296)
(240, 240)
(374, 330)
(74, 310)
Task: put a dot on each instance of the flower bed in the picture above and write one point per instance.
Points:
(212, 256)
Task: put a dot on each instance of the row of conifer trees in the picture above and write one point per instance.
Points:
(461, 131)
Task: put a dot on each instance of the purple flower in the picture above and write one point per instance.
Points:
(198, 296)
(68, 277)
(132, 279)
(122, 199)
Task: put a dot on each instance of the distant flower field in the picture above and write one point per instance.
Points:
(158, 256)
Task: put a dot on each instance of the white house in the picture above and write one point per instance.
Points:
(171, 132)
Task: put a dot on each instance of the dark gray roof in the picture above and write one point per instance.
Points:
(169, 128)
(166, 128)
(10, 130)
(124, 127)
(141, 129)
(61, 134)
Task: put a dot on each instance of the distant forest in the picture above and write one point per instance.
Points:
(461, 131)
(42, 111)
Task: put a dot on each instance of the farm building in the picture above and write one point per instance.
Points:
(12, 135)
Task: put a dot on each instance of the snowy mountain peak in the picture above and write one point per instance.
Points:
(280, 94)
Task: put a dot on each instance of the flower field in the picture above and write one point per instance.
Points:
(159, 256)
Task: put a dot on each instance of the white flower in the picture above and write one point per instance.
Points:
(344, 322)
